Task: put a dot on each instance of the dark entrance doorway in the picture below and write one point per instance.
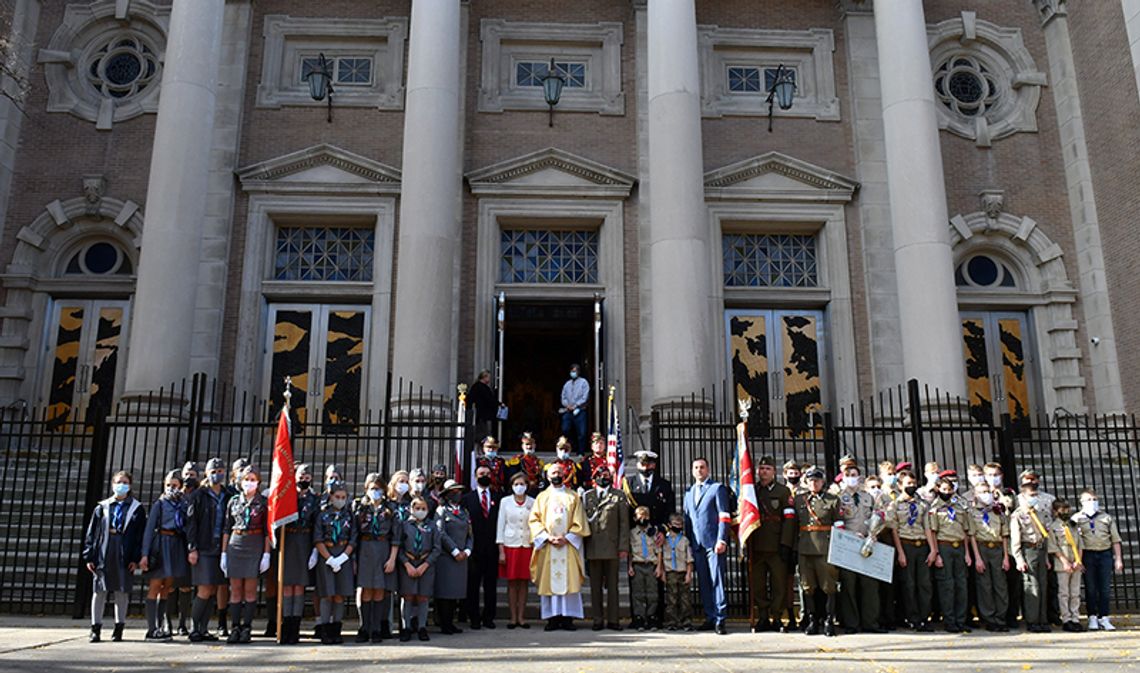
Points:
(541, 340)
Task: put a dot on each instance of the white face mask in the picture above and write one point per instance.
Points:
(519, 489)
(986, 498)
(890, 479)
(528, 449)
(249, 486)
(402, 487)
(1090, 507)
(976, 479)
(419, 514)
(931, 478)
(875, 492)
(563, 454)
(121, 489)
(995, 480)
(418, 486)
(375, 493)
(851, 482)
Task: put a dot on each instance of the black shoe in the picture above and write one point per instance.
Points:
(877, 629)
(96, 633)
(157, 636)
(614, 626)
(196, 637)
(952, 628)
(337, 638)
(376, 637)
(922, 627)
(811, 627)
(423, 634)
(850, 630)
(363, 636)
(552, 624)
(967, 629)
(829, 628)
(324, 632)
(247, 634)
(386, 630)
(721, 629)
(762, 627)
(117, 634)
(182, 631)
(406, 633)
(488, 624)
(476, 625)
(707, 625)
(687, 627)
(270, 628)
(568, 624)
(234, 637)
(223, 629)
(512, 625)
(786, 628)
(598, 626)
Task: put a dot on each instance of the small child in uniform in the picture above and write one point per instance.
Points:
(677, 564)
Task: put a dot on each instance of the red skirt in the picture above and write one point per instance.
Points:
(517, 566)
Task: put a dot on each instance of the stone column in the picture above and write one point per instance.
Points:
(928, 304)
(164, 306)
(1093, 286)
(681, 311)
(423, 349)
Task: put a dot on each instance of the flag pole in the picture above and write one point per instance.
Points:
(284, 531)
(744, 405)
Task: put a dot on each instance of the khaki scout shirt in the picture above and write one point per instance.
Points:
(675, 553)
(989, 526)
(815, 515)
(1098, 532)
(1059, 542)
(950, 521)
(910, 523)
(643, 545)
(1023, 532)
(856, 508)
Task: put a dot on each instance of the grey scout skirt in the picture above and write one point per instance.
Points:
(335, 584)
(371, 556)
(243, 556)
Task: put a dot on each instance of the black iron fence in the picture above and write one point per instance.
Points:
(56, 469)
(917, 424)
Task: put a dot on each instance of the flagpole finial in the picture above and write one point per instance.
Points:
(743, 405)
(462, 389)
(288, 389)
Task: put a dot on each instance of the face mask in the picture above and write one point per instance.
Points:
(172, 492)
(418, 486)
(1031, 500)
(1090, 507)
(519, 489)
(995, 480)
(491, 454)
(528, 449)
(945, 497)
(604, 482)
(217, 478)
(191, 483)
(851, 482)
(875, 492)
(931, 478)
(563, 454)
(976, 479)
(483, 481)
(910, 490)
(453, 498)
(249, 486)
(556, 481)
(419, 514)
(338, 503)
(573, 374)
(304, 484)
(794, 481)
(402, 488)
(643, 522)
(329, 482)
(890, 479)
(675, 528)
(375, 493)
(986, 498)
(121, 489)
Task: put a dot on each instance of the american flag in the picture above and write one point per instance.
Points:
(615, 458)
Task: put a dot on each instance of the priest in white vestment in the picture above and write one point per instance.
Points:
(557, 568)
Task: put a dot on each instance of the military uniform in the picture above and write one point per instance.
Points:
(951, 524)
(498, 468)
(652, 491)
(770, 550)
(1065, 543)
(531, 466)
(588, 466)
(608, 516)
(1098, 534)
(859, 594)
(907, 516)
(644, 555)
(677, 561)
(815, 517)
(1029, 539)
(991, 534)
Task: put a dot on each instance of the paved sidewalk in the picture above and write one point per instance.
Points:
(43, 645)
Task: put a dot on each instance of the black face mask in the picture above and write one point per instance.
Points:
(191, 483)
(556, 481)
(453, 498)
(910, 490)
(304, 484)
(676, 529)
(794, 481)
(604, 482)
(945, 496)
(483, 481)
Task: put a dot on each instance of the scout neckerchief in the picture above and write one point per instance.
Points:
(912, 515)
(247, 513)
(117, 515)
(178, 519)
(644, 545)
(374, 525)
(950, 511)
(337, 527)
(1092, 523)
(674, 540)
(986, 516)
(419, 537)
(1037, 523)
(1072, 542)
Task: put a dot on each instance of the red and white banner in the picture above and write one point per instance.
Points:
(282, 486)
(748, 517)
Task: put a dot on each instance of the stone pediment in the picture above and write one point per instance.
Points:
(551, 172)
(777, 177)
(321, 169)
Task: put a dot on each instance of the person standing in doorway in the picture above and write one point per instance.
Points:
(575, 396)
(485, 402)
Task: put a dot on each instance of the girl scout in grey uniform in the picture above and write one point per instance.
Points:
(419, 542)
(164, 552)
(335, 539)
(205, 519)
(245, 551)
(375, 556)
(454, 525)
(300, 557)
(112, 549)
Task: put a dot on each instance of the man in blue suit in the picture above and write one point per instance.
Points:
(707, 519)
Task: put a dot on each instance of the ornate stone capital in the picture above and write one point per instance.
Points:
(1048, 9)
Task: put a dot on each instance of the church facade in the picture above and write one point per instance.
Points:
(949, 197)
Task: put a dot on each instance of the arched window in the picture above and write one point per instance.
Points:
(984, 272)
(99, 258)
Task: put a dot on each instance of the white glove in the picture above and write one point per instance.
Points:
(342, 559)
(313, 559)
(225, 570)
(264, 563)
(576, 410)
(332, 562)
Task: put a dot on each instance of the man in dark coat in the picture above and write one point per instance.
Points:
(485, 402)
(482, 505)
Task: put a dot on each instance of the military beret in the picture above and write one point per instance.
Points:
(338, 485)
(173, 474)
(768, 461)
(904, 466)
(948, 474)
(215, 464)
(440, 467)
(250, 469)
(190, 466)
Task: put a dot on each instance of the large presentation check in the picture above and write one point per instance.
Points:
(845, 552)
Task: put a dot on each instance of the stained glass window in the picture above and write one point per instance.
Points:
(549, 257)
(324, 254)
(530, 73)
(124, 67)
(770, 260)
(965, 85)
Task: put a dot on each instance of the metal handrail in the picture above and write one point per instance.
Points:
(1057, 414)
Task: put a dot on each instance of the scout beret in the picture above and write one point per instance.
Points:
(240, 464)
(304, 468)
(215, 464)
(948, 474)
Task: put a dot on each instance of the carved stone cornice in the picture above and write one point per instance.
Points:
(1047, 10)
(850, 7)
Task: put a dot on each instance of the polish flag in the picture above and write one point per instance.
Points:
(748, 516)
(282, 487)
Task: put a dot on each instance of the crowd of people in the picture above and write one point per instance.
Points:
(419, 541)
